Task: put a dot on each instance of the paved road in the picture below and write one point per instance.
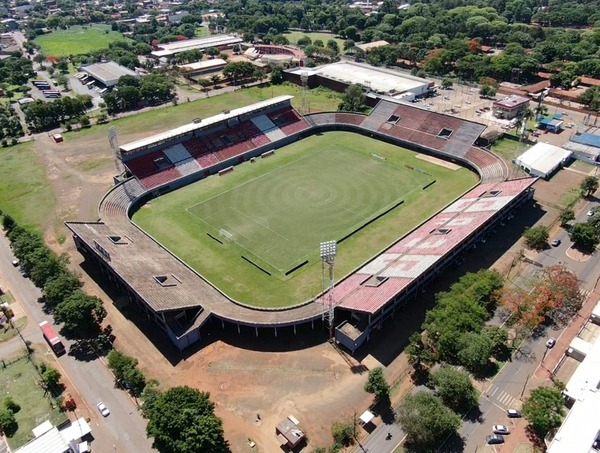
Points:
(505, 390)
(124, 429)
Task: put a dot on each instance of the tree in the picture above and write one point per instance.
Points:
(584, 236)
(81, 315)
(543, 410)
(126, 372)
(333, 46)
(343, 432)
(455, 388)
(419, 352)
(238, 70)
(182, 420)
(51, 377)
(377, 384)
(475, 351)
(447, 83)
(566, 216)
(426, 421)
(277, 75)
(8, 423)
(8, 223)
(353, 99)
(589, 185)
(536, 237)
(11, 405)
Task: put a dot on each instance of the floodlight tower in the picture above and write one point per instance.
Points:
(114, 144)
(304, 79)
(327, 250)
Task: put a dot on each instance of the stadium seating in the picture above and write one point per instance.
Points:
(349, 118)
(160, 178)
(491, 167)
(288, 121)
(144, 165)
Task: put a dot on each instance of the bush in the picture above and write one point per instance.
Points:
(343, 432)
(10, 404)
(8, 423)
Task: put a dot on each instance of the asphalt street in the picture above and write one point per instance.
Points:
(124, 429)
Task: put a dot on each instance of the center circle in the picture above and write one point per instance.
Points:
(312, 195)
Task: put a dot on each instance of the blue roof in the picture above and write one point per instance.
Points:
(586, 138)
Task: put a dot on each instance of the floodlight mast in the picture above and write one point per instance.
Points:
(327, 252)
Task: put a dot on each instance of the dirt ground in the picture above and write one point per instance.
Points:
(255, 383)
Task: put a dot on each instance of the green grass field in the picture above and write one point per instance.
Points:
(279, 209)
(17, 380)
(25, 191)
(333, 191)
(294, 36)
(77, 40)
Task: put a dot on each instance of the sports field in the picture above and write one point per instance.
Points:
(77, 40)
(247, 231)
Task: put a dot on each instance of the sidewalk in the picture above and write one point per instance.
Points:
(543, 373)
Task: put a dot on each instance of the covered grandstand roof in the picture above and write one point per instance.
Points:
(171, 48)
(372, 286)
(107, 73)
(202, 65)
(186, 129)
(377, 79)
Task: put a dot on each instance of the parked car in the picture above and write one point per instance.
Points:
(103, 409)
(556, 242)
(513, 413)
(15, 263)
(494, 439)
(500, 429)
(550, 343)
(591, 212)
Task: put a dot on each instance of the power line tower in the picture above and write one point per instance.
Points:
(328, 250)
(304, 79)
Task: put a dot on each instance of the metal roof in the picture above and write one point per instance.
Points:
(205, 123)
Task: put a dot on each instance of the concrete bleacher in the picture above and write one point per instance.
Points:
(162, 177)
(268, 127)
(288, 121)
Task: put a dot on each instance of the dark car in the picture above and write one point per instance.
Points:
(494, 439)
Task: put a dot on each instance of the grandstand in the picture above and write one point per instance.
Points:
(181, 301)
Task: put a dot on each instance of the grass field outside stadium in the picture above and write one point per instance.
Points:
(275, 212)
(77, 40)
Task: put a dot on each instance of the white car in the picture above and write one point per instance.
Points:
(103, 409)
(500, 429)
(591, 212)
(550, 343)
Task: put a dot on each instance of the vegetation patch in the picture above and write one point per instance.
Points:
(78, 40)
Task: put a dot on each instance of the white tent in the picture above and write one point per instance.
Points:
(542, 159)
(366, 417)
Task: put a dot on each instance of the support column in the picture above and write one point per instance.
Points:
(275, 332)
(238, 329)
(256, 330)
(223, 324)
(294, 329)
(312, 324)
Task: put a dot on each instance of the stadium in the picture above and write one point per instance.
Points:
(255, 144)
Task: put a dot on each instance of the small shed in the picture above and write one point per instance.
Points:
(543, 159)
(288, 432)
(366, 417)
(57, 138)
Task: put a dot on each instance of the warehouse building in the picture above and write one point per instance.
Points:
(105, 75)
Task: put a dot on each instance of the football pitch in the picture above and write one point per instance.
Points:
(255, 232)
(281, 217)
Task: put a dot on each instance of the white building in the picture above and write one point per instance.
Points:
(543, 159)
(219, 41)
(581, 426)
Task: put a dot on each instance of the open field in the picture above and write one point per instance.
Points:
(294, 36)
(24, 187)
(201, 32)
(18, 380)
(290, 203)
(77, 40)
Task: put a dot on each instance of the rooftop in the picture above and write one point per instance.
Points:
(372, 286)
(581, 424)
(172, 48)
(586, 138)
(133, 146)
(372, 45)
(206, 64)
(512, 101)
(377, 79)
(543, 157)
(108, 72)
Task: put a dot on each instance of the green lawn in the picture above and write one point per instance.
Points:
(201, 32)
(25, 191)
(280, 208)
(18, 380)
(77, 40)
(294, 36)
